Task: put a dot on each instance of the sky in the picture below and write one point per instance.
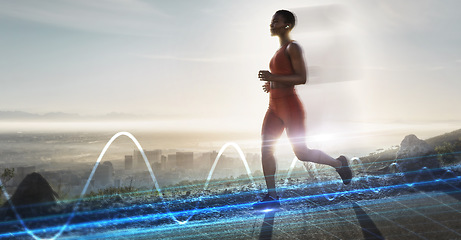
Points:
(192, 65)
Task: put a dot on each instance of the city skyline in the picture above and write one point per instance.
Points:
(373, 66)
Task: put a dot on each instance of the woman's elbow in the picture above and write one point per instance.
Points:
(303, 80)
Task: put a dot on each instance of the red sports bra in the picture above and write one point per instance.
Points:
(280, 63)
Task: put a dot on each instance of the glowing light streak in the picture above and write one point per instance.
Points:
(434, 180)
(328, 196)
(334, 212)
(159, 191)
(221, 151)
(356, 161)
(290, 170)
(230, 207)
(245, 205)
(314, 221)
(359, 162)
(437, 180)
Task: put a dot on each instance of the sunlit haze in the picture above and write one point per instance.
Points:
(376, 68)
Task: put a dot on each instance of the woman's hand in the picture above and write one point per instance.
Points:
(267, 87)
(264, 75)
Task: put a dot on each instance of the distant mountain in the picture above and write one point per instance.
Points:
(115, 115)
(60, 116)
(4, 115)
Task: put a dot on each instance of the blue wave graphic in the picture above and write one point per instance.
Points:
(191, 213)
(154, 180)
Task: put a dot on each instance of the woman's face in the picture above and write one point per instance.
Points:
(278, 25)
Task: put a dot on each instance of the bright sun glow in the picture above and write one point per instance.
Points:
(321, 138)
(318, 138)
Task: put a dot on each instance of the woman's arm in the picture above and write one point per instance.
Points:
(297, 61)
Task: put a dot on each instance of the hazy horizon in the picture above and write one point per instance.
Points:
(359, 140)
(375, 68)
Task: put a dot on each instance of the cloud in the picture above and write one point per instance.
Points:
(438, 68)
(192, 59)
(108, 16)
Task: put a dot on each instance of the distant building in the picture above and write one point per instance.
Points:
(104, 175)
(156, 167)
(185, 160)
(128, 162)
(208, 159)
(163, 163)
(152, 156)
(171, 161)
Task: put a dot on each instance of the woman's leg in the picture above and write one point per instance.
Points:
(296, 130)
(313, 155)
(272, 129)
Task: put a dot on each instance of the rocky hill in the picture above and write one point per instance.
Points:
(451, 137)
(379, 160)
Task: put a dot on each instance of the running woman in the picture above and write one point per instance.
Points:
(287, 69)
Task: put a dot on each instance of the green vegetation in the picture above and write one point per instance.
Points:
(7, 175)
(450, 137)
(184, 188)
(447, 146)
(447, 152)
(111, 191)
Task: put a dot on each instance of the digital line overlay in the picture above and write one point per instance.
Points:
(328, 196)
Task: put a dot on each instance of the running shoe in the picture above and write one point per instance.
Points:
(267, 203)
(344, 171)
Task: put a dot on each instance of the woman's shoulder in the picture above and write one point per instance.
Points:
(294, 47)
